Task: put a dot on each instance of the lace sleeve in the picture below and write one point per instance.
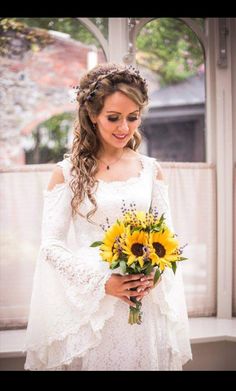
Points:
(169, 293)
(78, 279)
(69, 305)
(160, 201)
(160, 196)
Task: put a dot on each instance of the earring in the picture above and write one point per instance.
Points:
(94, 126)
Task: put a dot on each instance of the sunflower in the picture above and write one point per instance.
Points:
(135, 245)
(165, 247)
(110, 249)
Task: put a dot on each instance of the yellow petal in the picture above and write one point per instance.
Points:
(131, 260)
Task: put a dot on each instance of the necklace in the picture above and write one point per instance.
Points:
(108, 165)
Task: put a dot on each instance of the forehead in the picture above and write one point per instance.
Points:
(119, 102)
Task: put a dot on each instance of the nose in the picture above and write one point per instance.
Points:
(123, 126)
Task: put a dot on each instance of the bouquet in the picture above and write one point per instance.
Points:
(140, 242)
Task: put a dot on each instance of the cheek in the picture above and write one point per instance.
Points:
(106, 126)
(134, 126)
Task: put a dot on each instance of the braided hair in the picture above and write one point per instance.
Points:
(95, 86)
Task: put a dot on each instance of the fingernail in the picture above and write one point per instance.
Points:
(143, 279)
(139, 289)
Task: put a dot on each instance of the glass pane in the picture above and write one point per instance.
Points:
(102, 24)
(171, 58)
(200, 22)
(41, 60)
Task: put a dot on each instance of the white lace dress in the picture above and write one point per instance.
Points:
(73, 324)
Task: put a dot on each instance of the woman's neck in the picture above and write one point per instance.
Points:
(111, 154)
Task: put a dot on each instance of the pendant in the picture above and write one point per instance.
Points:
(108, 168)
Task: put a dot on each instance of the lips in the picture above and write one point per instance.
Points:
(120, 136)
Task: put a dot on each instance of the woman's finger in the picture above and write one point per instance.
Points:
(129, 302)
(134, 293)
(136, 284)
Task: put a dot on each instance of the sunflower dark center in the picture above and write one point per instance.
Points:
(137, 249)
(160, 250)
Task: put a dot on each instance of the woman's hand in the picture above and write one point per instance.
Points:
(150, 286)
(120, 286)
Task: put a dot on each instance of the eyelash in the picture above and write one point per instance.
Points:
(114, 119)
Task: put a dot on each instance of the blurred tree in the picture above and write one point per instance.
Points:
(71, 26)
(170, 48)
(16, 38)
(50, 140)
(167, 46)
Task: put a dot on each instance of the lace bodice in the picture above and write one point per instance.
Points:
(73, 324)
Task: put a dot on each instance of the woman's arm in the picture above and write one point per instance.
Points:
(83, 282)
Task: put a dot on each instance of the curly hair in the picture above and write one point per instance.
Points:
(95, 86)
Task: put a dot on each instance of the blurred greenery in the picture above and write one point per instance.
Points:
(49, 141)
(170, 48)
(166, 46)
(71, 26)
(16, 38)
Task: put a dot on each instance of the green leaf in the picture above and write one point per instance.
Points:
(148, 269)
(123, 266)
(96, 244)
(174, 266)
(156, 229)
(157, 276)
(162, 218)
(182, 259)
(114, 264)
(135, 229)
(139, 269)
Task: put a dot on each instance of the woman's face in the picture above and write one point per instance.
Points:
(118, 120)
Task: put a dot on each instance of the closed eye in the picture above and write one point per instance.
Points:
(114, 119)
(131, 119)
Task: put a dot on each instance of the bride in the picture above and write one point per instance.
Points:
(79, 307)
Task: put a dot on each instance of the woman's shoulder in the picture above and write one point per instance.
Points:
(66, 165)
(155, 166)
(60, 174)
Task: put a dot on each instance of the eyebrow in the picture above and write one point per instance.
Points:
(117, 112)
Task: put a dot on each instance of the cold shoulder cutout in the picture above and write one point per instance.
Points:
(66, 166)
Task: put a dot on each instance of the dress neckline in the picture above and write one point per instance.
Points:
(132, 179)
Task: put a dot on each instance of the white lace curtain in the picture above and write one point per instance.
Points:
(193, 202)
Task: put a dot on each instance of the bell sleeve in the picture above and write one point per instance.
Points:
(169, 295)
(68, 305)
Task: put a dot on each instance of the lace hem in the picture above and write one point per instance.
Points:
(68, 313)
(62, 351)
(169, 298)
(70, 328)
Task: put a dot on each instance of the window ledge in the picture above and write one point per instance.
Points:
(205, 329)
(202, 330)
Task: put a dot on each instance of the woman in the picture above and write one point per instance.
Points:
(79, 308)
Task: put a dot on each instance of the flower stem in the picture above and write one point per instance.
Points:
(135, 314)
